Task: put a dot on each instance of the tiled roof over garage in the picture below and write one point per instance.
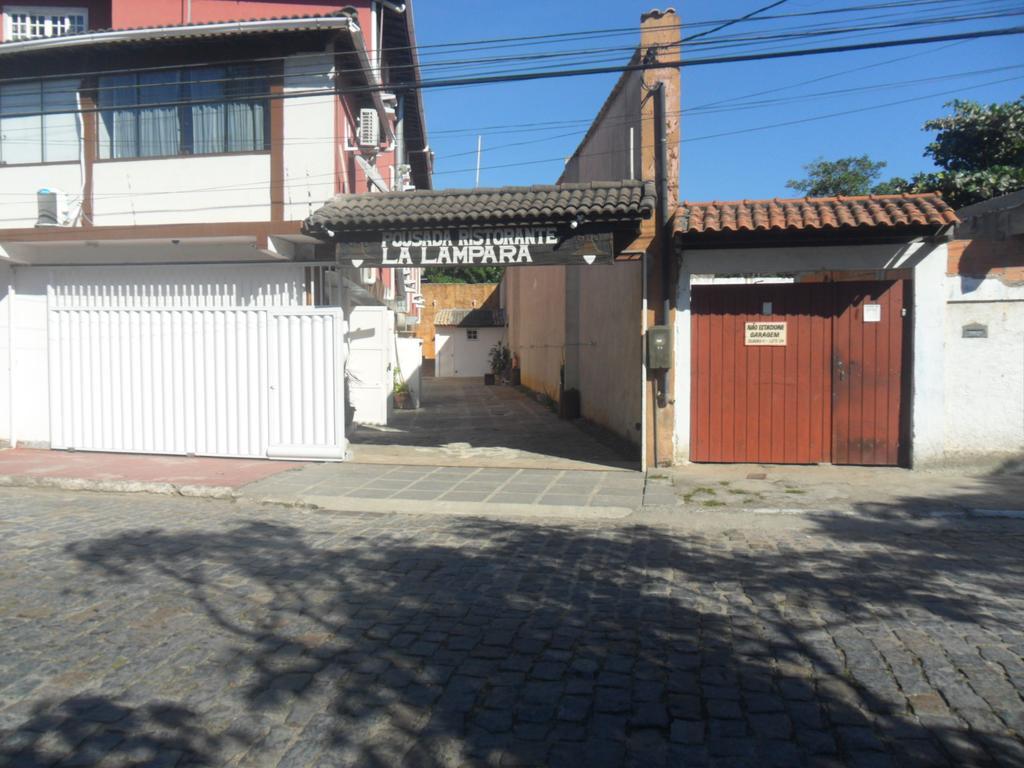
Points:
(599, 201)
(818, 213)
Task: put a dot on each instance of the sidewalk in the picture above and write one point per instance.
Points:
(486, 491)
(690, 494)
(128, 473)
(343, 487)
(867, 491)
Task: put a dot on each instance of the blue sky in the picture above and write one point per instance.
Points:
(750, 164)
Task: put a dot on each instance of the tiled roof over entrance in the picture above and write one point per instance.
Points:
(818, 213)
(598, 201)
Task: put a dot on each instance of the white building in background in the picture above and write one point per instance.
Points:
(156, 292)
(463, 340)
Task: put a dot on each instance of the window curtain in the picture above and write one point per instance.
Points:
(246, 113)
(21, 124)
(208, 120)
(61, 124)
(119, 118)
(159, 132)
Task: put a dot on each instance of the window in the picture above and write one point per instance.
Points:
(203, 111)
(471, 334)
(32, 22)
(39, 122)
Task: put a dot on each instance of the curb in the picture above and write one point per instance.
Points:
(325, 503)
(447, 508)
(119, 486)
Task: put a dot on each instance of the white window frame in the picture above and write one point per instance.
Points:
(472, 334)
(47, 11)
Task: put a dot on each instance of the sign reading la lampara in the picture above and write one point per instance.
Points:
(479, 246)
(765, 334)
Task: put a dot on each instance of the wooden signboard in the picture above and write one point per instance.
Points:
(519, 246)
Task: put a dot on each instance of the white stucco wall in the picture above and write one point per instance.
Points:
(21, 182)
(30, 412)
(984, 377)
(6, 283)
(309, 127)
(456, 355)
(176, 190)
(928, 262)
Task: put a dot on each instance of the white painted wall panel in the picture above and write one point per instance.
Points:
(6, 284)
(21, 182)
(410, 366)
(984, 377)
(371, 344)
(309, 128)
(182, 190)
(30, 421)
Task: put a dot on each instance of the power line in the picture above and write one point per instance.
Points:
(731, 22)
(558, 73)
(739, 103)
(304, 181)
(716, 43)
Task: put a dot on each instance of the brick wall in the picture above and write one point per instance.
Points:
(438, 296)
(1001, 259)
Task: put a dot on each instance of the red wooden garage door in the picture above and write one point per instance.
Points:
(829, 393)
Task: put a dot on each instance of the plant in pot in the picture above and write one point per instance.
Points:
(500, 358)
(402, 394)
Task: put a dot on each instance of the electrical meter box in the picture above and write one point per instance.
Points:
(659, 347)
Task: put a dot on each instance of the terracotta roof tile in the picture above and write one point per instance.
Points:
(822, 213)
(469, 318)
(598, 201)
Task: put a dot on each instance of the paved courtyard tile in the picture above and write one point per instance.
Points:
(142, 630)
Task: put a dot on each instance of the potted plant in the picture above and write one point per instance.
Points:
(500, 358)
(402, 395)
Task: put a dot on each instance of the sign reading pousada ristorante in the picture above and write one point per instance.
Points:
(476, 246)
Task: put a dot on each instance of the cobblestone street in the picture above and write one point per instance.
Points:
(165, 631)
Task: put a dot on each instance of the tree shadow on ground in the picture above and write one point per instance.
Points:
(402, 641)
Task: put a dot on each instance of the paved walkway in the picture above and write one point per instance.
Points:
(464, 423)
(147, 630)
(469, 490)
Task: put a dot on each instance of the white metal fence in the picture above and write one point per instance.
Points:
(219, 381)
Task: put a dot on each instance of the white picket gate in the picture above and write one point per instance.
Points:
(253, 381)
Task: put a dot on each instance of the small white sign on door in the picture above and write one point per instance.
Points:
(872, 313)
(764, 334)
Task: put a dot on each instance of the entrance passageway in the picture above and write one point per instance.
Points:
(462, 422)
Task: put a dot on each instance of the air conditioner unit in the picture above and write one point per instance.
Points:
(52, 207)
(369, 128)
(368, 275)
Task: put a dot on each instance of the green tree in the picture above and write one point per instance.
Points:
(463, 274)
(845, 176)
(979, 149)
